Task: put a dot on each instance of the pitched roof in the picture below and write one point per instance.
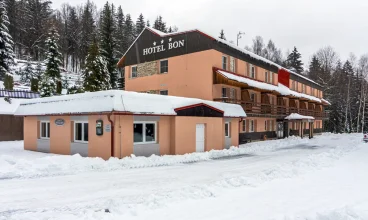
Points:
(119, 101)
(244, 51)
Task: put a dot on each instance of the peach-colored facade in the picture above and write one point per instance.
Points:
(175, 135)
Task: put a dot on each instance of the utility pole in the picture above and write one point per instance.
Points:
(238, 36)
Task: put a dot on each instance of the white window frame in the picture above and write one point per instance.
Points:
(222, 62)
(271, 77)
(228, 129)
(252, 74)
(164, 91)
(47, 129)
(251, 125)
(144, 132)
(167, 66)
(233, 64)
(75, 129)
(131, 71)
(244, 128)
(266, 77)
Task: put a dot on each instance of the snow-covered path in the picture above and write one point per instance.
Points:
(322, 178)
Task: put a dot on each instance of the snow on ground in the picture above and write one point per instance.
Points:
(320, 179)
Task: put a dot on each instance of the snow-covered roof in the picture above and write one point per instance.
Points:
(119, 101)
(7, 108)
(283, 90)
(296, 116)
(253, 55)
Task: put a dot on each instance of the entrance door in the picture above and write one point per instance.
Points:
(200, 138)
(280, 129)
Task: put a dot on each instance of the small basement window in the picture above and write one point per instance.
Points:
(81, 132)
(164, 66)
(144, 132)
(45, 130)
(134, 72)
(227, 129)
(244, 125)
(164, 92)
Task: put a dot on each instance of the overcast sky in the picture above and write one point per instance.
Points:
(306, 24)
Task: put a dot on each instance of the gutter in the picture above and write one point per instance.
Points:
(112, 133)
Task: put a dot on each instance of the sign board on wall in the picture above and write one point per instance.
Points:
(107, 128)
(163, 46)
(59, 122)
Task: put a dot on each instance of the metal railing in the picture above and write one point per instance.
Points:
(273, 110)
(20, 94)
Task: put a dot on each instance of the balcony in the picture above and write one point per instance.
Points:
(254, 109)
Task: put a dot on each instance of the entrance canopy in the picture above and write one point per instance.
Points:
(296, 116)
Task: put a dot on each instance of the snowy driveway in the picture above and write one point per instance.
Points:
(323, 178)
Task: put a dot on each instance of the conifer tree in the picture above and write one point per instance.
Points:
(128, 32)
(119, 32)
(148, 23)
(222, 35)
(8, 82)
(51, 81)
(107, 42)
(87, 34)
(6, 46)
(37, 73)
(140, 24)
(314, 69)
(95, 75)
(294, 61)
(160, 24)
(27, 73)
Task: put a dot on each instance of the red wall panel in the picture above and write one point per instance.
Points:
(284, 77)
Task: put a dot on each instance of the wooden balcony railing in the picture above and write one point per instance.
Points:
(273, 110)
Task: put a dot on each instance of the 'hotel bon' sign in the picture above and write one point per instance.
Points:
(163, 46)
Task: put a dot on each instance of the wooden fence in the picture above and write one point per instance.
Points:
(11, 128)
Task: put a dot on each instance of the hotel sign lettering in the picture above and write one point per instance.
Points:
(157, 47)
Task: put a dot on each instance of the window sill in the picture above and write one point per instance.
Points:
(80, 142)
(144, 143)
(44, 139)
(163, 73)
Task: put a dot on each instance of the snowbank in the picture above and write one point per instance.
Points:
(296, 116)
(12, 166)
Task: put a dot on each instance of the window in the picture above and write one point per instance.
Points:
(224, 62)
(164, 66)
(164, 92)
(244, 124)
(232, 93)
(266, 77)
(80, 131)
(296, 86)
(45, 130)
(134, 72)
(224, 93)
(266, 125)
(227, 129)
(252, 71)
(253, 97)
(251, 125)
(144, 132)
(271, 77)
(232, 64)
